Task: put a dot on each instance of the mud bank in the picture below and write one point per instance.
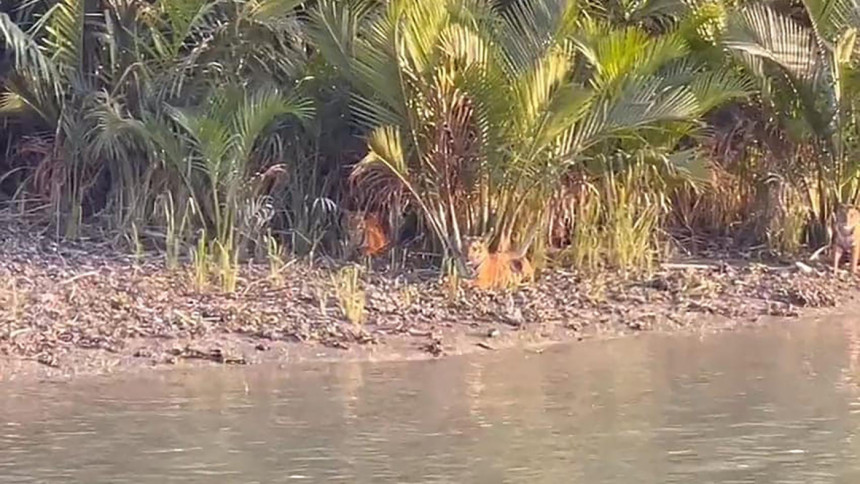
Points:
(71, 309)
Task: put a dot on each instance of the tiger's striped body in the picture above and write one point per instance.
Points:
(842, 235)
(497, 271)
(366, 233)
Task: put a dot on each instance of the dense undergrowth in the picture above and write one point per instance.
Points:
(216, 131)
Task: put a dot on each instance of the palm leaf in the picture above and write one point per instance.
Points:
(64, 24)
(759, 31)
(30, 93)
(529, 26)
(270, 10)
(113, 134)
(829, 18)
(642, 103)
(616, 53)
(369, 61)
(765, 38)
(259, 111)
(28, 56)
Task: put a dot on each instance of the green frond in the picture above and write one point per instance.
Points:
(529, 26)
(384, 172)
(760, 32)
(211, 138)
(829, 18)
(334, 28)
(689, 165)
(259, 110)
(715, 88)
(568, 107)
(369, 59)
(386, 147)
(464, 46)
(420, 25)
(12, 104)
(269, 10)
(184, 19)
(113, 134)
(166, 147)
(38, 96)
(712, 87)
(65, 26)
(642, 103)
(28, 56)
(618, 53)
(656, 14)
(535, 88)
(226, 132)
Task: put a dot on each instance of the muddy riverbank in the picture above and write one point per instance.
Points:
(83, 308)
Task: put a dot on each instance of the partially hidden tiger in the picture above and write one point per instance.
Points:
(501, 270)
(366, 233)
(845, 220)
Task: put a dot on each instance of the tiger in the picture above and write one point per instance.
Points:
(845, 219)
(366, 233)
(500, 270)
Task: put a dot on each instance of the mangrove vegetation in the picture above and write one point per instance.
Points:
(596, 133)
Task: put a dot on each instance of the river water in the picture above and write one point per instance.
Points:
(774, 405)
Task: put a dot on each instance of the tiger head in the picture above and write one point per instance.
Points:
(845, 219)
(366, 232)
(477, 250)
(354, 222)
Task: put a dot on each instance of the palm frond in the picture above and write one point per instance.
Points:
(529, 26)
(334, 28)
(715, 88)
(642, 103)
(28, 56)
(113, 134)
(712, 87)
(384, 172)
(760, 32)
(270, 10)
(616, 53)
(370, 60)
(656, 14)
(829, 18)
(183, 19)
(65, 25)
(464, 46)
(32, 93)
(259, 110)
(209, 137)
(420, 25)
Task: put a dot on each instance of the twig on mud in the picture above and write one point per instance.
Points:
(670, 265)
(264, 279)
(79, 277)
(818, 252)
(804, 268)
(19, 332)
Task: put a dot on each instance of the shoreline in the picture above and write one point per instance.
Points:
(22, 371)
(79, 309)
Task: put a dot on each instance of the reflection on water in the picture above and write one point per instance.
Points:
(773, 406)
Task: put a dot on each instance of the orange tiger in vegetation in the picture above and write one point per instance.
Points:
(842, 237)
(366, 233)
(497, 271)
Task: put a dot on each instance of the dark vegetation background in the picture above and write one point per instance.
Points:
(619, 132)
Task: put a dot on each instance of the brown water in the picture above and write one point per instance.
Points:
(771, 406)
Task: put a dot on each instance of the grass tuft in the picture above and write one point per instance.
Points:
(350, 294)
